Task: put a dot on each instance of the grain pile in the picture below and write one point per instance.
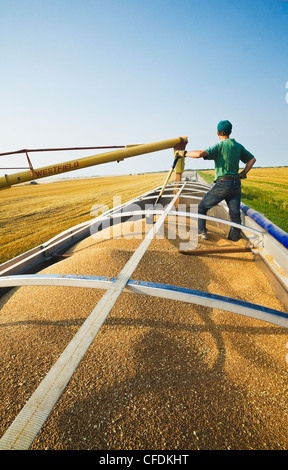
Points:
(160, 374)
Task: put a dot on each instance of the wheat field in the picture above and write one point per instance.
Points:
(266, 191)
(32, 214)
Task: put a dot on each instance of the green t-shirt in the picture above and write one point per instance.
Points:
(227, 155)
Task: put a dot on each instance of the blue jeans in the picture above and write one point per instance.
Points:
(230, 191)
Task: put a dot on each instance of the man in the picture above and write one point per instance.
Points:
(226, 154)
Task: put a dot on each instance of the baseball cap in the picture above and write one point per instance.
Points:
(225, 126)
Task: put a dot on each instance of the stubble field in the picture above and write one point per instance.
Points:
(32, 214)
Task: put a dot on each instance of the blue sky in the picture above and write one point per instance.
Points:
(89, 73)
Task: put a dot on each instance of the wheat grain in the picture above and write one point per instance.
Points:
(160, 374)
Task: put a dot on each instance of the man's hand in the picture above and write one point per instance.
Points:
(242, 175)
(180, 153)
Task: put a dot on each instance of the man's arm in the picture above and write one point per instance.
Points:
(249, 164)
(193, 153)
(196, 154)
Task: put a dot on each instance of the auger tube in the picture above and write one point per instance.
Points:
(7, 181)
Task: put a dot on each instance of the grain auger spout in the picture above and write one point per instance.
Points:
(7, 181)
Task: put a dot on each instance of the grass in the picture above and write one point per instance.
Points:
(32, 214)
(266, 191)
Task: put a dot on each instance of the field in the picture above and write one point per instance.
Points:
(266, 191)
(32, 214)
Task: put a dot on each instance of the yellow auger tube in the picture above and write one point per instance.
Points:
(7, 181)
